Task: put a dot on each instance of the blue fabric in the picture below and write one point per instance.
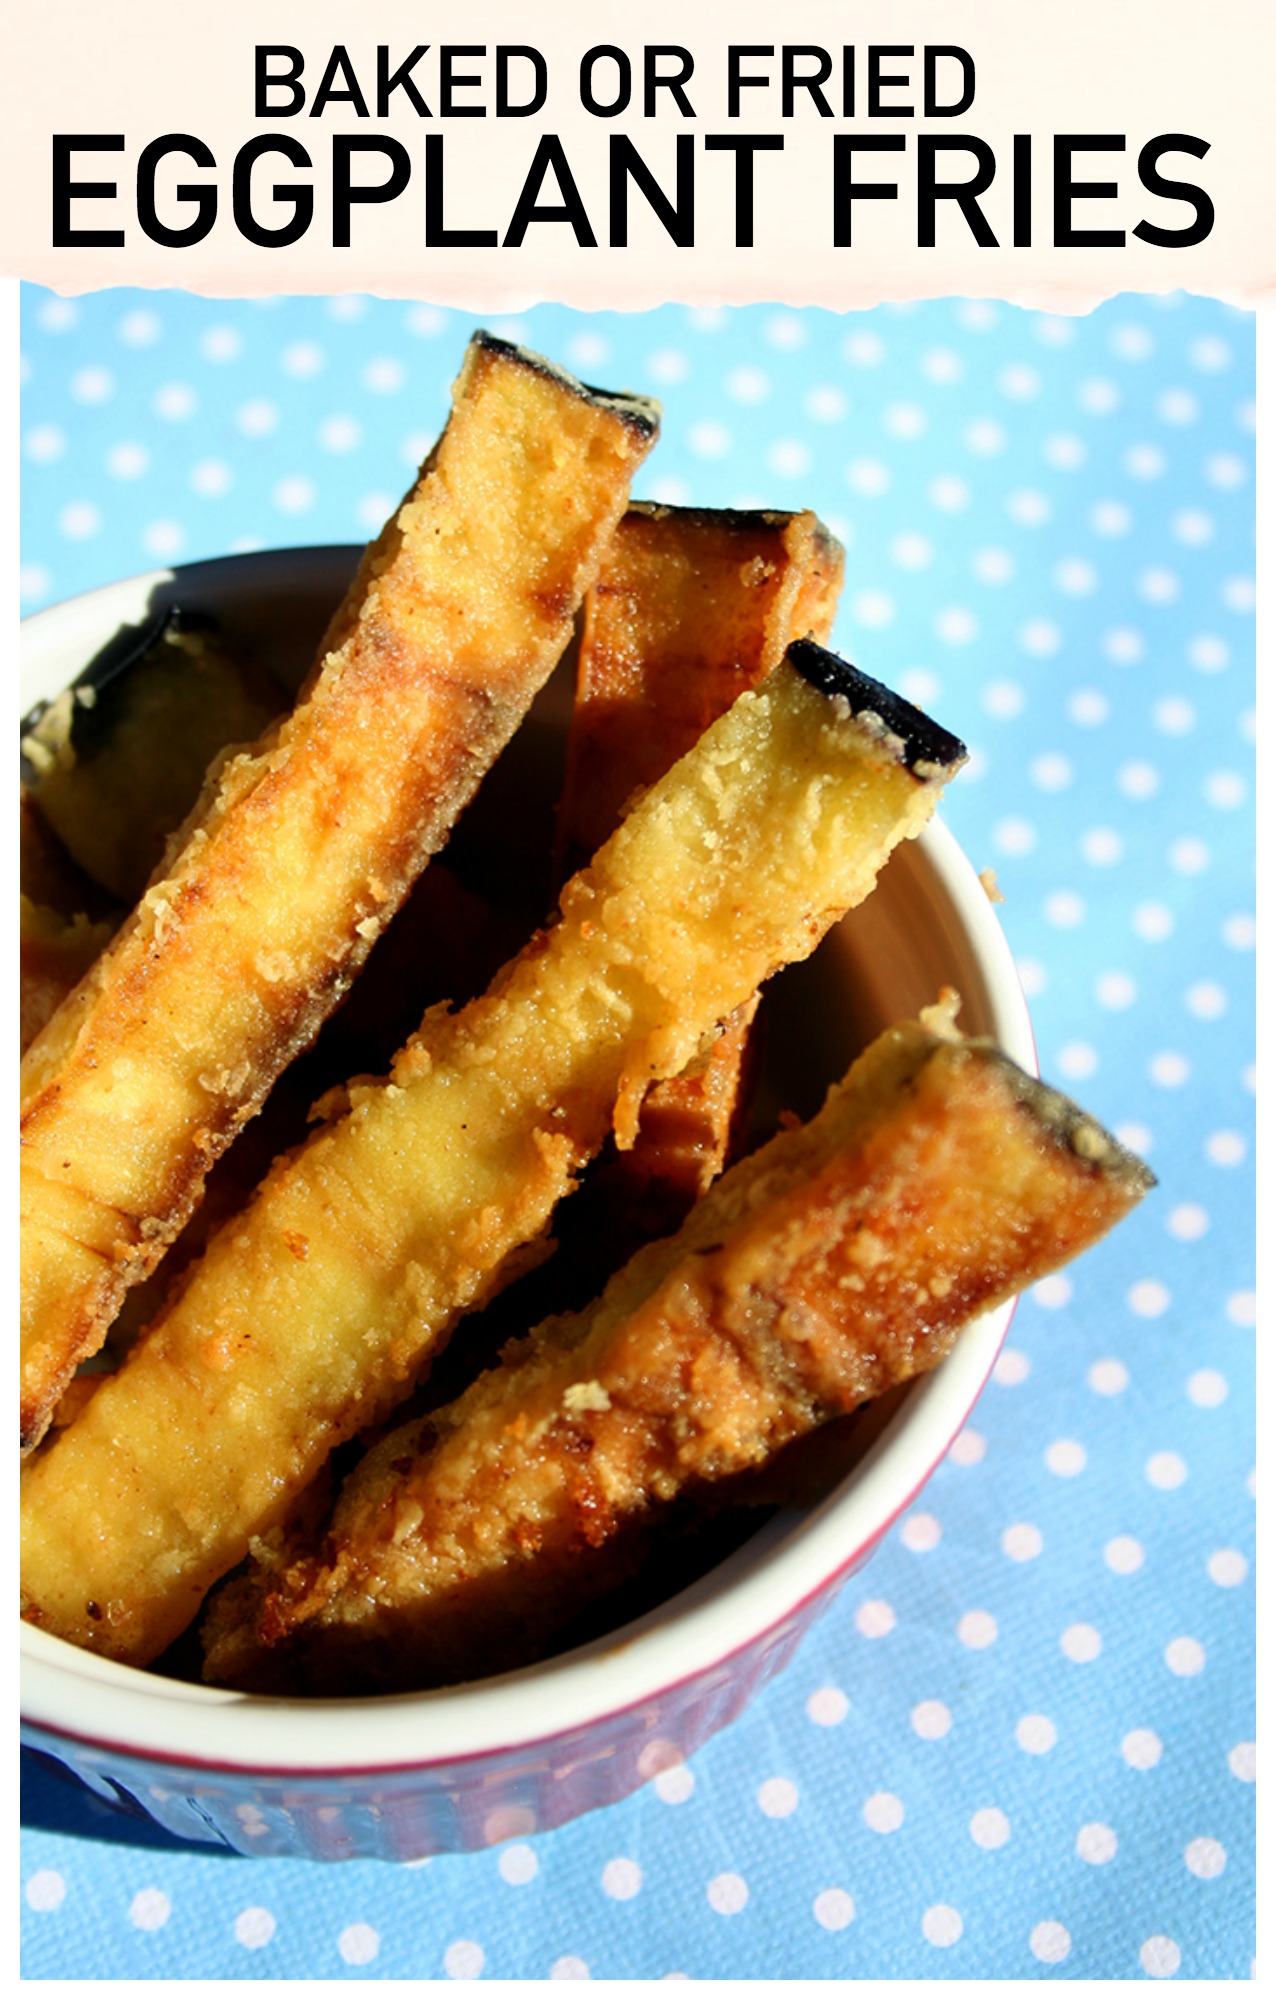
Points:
(1020, 1745)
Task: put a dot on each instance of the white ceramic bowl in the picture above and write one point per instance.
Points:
(409, 1775)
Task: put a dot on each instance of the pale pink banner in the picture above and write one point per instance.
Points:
(618, 156)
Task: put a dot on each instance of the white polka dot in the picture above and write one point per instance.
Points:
(1081, 1644)
(910, 551)
(359, 1944)
(211, 478)
(34, 582)
(1029, 508)
(1240, 932)
(1148, 1297)
(1051, 772)
(1173, 716)
(254, 1927)
(58, 315)
(1098, 396)
(1208, 653)
(1052, 330)
(1088, 708)
(621, 1879)
(778, 1797)
(748, 385)
(984, 437)
(1124, 645)
(1226, 470)
(1187, 1222)
(1225, 790)
(464, 1959)
(1049, 1941)
(827, 1706)
(1011, 1367)
(339, 433)
(994, 566)
(920, 1532)
(1066, 1458)
(727, 1894)
(1177, 406)
(1205, 1858)
(45, 1889)
(302, 359)
(1141, 1749)
(977, 315)
(1110, 517)
(1065, 451)
(989, 1827)
(518, 1864)
(1003, 699)
(1102, 847)
(1097, 1843)
(1207, 1388)
(869, 477)
(949, 493)
(294, 495)
(44, 443)
(1076, 1061)
(709, 440)
(1137, 1137)
(1165, 1470)
(1123, 1555)
(941, 1925)
(1144, 461)
(79, 520)
(1227, 1568)
(1014, 836)
(569, 1968)
(1185, 1657)
(1168, 1069)
(1040, 637)
(873, 609)
(977, 1629)
(668, 365)
(1022, 1542)
(967, 1448)
(883, 1812)
(221, 344)
(1193, 527)
(127, 460)
(874, 1619)
(1032, 976)
(1132, 343)
(93, 385)
(1108, 1377)
(257, 419)
(864, 350)
(674, 1784)
(1208, 353)
(1225, 1149)
(164, 539)
(834, 1909)
(785, 331)
(1160, 1957)
(1036, 1734)
(1064, 909)
(789, 457)
(921, 686)
(1075, 578)
(1158, 585)
(931, 1720)
(1242, 1308)
(905, 421)
(1115, 991)
(1242, 1762)
(1153, 922)
(149, 1910)
(825, 403)
(941, 366)
(589, 350)
(1206, 1000)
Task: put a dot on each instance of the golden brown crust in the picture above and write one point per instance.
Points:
(691, 607)
(840, 1261)
(312, 1314)
(301, 849)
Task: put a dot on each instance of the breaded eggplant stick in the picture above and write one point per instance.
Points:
(690, 607)
(302, 848)
(839, 1261)
(312, 1313)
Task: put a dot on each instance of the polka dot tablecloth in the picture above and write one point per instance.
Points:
(1021, 1743)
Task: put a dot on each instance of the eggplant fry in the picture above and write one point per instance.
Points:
(691, 606)
(840, 1260)
(315, 1311)
(301, 849)
(54, 953)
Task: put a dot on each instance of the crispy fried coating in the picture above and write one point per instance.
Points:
(691, 606)
(311, 1314)
(54, 953)
(840, 1260)
(302, 848)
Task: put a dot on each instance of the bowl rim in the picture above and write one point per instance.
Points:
(693, 1635)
